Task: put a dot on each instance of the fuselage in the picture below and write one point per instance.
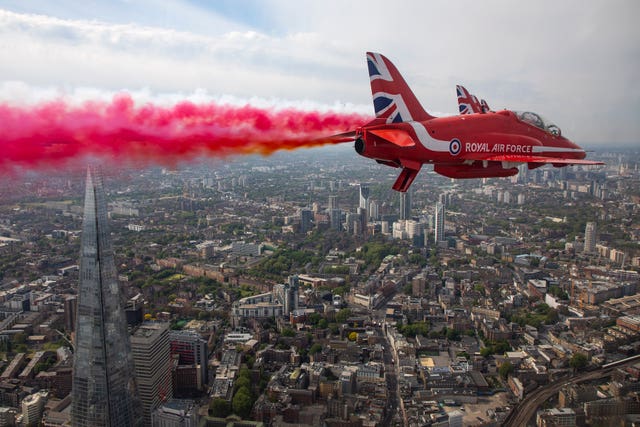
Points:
(462, 139)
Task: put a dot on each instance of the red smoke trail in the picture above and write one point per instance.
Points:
(57, 135)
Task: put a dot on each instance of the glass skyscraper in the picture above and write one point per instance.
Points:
(439, 225)
(104, 389)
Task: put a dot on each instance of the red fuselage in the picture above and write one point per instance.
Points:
(463, 140)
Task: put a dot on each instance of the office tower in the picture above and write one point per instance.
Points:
(405, 205)
(352, 223)
(70, 313)
(418, 285)
(374, 210)
(590, 238)
(104, 390)
(362, 221)
(333, 203)
(33, 407)
(364, 196)
(151, 353)
(336, 219)
(191, 350)
(306, 217)
(439, 222)
(413, 228)
(287, 294)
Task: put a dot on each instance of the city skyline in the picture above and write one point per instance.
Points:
(207, 252)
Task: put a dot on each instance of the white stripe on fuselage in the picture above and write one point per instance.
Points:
(427, 141)
(432, 144)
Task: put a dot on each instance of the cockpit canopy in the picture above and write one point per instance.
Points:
(538, 121)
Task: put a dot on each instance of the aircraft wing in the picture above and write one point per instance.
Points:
(521, 158)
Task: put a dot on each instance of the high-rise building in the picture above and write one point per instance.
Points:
(151, 353)
(352, 223)
(336, 219)
(439, 222)
(306, 217)
(405, 205)
(104, 389)
(287, 294)
(32, 408)
(362, 217)
(445, 199)
(70, 313)
(191, 350)
(506, 197)
(374, 210)
(590, 238)
(364, 196)
(333, 203)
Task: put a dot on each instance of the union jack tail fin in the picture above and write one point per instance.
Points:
(469, 104)
(393, 100)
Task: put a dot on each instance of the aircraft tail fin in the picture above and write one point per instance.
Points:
(469, 104)
(393, 100)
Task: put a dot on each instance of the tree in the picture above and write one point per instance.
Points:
(242, 402)
(288, 332)
(408, 289)
(505, 369)
(314, 318)
(463, 354)
(578, 361)
(220, 408)
(343, 315)
(315, 348)
(242, 382)
(453, 335)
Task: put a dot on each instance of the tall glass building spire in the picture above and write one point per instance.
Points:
(104, 391)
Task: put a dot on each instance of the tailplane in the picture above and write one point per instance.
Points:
(393, 100)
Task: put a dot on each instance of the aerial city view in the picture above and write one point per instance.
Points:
(274, 214)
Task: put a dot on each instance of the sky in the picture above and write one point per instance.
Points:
(575, 62)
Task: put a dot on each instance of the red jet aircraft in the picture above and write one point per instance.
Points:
(478, 143)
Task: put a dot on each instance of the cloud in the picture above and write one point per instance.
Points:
(51, 51)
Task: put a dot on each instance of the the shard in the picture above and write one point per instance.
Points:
(104, 391)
